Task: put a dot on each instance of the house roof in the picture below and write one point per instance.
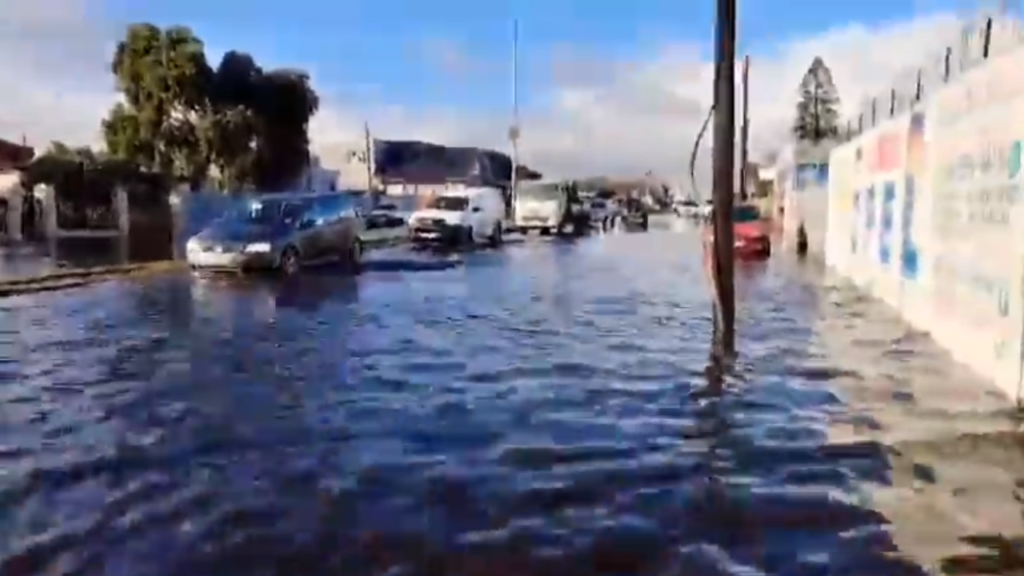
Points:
(12, 154)
(416, 162)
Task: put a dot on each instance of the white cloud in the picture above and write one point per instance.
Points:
(617, 118)
(55, 80)
(627, 118)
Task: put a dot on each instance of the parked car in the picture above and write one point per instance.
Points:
(384, 216)
(750, 233)
(384, 223)
(461, 217)
(282, 232)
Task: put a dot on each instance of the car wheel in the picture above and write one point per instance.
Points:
(545, 231)
(291, 261)
(467, 239)
(497, 235)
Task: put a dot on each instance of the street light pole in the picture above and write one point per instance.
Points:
(368, 151)
(513, 133)
(723, 181)
(745, 132)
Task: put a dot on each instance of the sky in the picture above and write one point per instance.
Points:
(615, 88)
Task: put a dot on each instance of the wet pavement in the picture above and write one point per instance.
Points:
(541, 409)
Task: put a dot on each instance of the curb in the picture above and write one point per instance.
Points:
(77, 278)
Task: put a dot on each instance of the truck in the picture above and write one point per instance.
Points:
(553, 207)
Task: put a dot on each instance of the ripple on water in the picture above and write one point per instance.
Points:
(538, 410)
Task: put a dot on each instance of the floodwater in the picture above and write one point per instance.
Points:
(27, 260)
(542, 409)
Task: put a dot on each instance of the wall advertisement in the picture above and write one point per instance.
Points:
(915, 188)
(975, 171)
(974, 160)
(842, 207)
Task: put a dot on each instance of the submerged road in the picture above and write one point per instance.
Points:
(542, 409)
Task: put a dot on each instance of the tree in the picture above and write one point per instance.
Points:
(231, 126)
(246, 126)
(164, 78)
(817, 113)
(285, 103)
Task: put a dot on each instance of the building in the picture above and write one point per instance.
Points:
(319, 179)
(13, 157)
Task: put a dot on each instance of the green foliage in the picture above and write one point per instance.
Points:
(817, 112)
(85, 174)
(240, 125)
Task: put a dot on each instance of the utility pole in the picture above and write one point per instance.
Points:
(745, 131)
(513, 132)
(368, 151)
(722, 262)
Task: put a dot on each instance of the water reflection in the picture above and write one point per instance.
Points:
(540, 409)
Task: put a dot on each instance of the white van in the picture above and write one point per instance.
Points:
(462, 217)
(540, 207)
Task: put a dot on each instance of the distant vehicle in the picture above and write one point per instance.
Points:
(686, 208)
(461, 217)
(550, 207)
(706, 208)
(384, 216)
(540, 207)
(636, 214)
(750, 233)
(282, 232)
(604, 212)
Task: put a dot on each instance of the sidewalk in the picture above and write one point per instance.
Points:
(25, 260)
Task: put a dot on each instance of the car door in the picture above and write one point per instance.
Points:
(336, 223)
(310, 235)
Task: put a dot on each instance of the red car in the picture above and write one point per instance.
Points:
(750, 232)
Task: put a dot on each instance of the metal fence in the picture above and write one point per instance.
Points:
(981, 40)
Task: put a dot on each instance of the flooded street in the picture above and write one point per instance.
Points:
(542, 409)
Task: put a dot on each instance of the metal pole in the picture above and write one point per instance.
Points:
(745, 132)
(514, 130)
(724, 179)
(368, 144)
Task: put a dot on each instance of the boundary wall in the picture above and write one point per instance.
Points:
(802, 183)
(925, 213)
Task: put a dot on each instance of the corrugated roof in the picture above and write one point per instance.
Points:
(416, 162)
(13, 154)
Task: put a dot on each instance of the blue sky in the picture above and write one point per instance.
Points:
(387, 50)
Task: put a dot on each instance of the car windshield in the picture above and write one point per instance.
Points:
(539, 192)
(269, 213)
(448, 203)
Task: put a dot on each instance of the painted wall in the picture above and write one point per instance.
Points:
(805, 170)
(925, 214)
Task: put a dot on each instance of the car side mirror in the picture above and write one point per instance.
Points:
(477, 209)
